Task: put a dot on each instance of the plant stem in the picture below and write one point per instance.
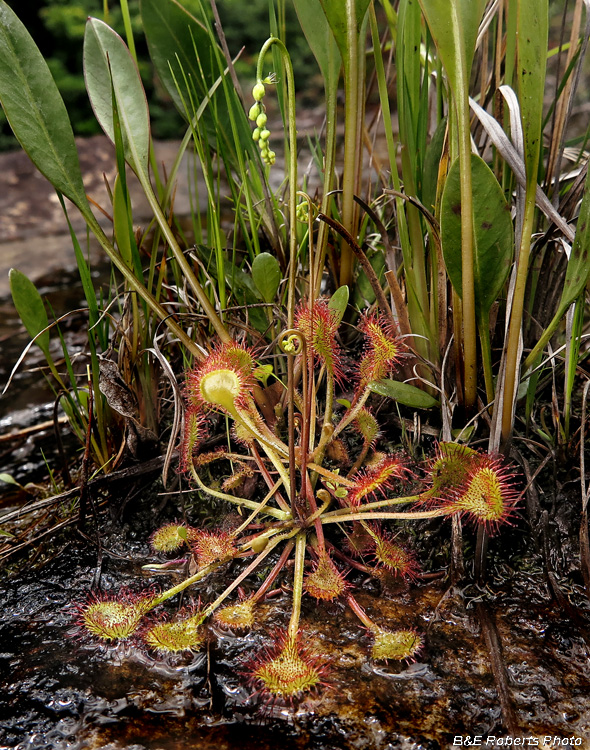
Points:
(300, 542)
(352, 67)
(292, 124)
(360, 612)
(336, 517)
(467, 272)
(514, 327)
(281, 515)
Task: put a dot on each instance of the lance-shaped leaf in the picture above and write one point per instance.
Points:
(345, 17)
(30, 308)
(266, 273)
(492, 233)
(108, 69)
(406, 394)
(320, 38)
(453, 25)
(532, 23)
(339, 301)
(35, 110)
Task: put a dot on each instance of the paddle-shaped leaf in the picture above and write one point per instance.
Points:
(345, 17)
(320, 38)
(406, 394)
(35, 110)
(30, 308)
(108, 68)
(339, 301)
(453, 25)
(266, 273)
(532, 23)
(493, 240)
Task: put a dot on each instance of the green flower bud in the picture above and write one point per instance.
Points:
(264, 134)
(254, 112)
(258, 91)
(256, 134)
(270, 157)
(303, 212)
(261, 120)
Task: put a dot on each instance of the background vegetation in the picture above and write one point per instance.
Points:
(58, 28)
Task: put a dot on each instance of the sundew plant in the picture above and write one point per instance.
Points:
(409, 270)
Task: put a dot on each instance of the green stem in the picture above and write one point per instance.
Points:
(486, 357)
(352, 68)
(292, 124)
(329, 162)
(300, 542)
(180, 258)
(169, 593)
(515, 324)
(281, 515)
(234, 584)
(467, 271)
(352, 413)
(336, 517)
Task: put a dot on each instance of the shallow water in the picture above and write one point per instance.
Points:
(58, 692)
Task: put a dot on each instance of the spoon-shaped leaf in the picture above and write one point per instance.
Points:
(30, 308)
(108, 69)
(35, 110)
(454, 25)
(266, 273)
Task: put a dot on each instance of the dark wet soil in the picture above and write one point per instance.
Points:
(58, 691)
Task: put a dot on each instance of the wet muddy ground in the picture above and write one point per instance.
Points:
(508, 657)
(58, 691)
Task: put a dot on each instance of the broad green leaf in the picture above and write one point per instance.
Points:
(453, 25)
(493, 243)
(35, 110)
(266, 273)
(30, 308)
(406, 394)
(109, 67)
(320, 38)
(532, 25)
(344, 17)
(339, 301)
(8, 479)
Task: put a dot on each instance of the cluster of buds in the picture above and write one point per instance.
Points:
(257, 114)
